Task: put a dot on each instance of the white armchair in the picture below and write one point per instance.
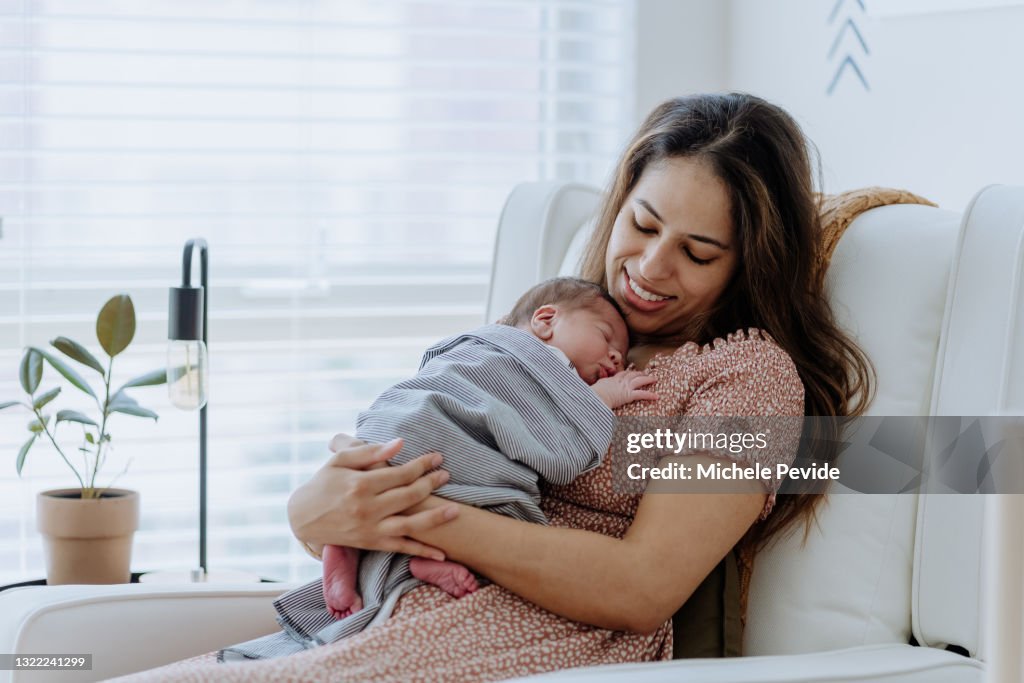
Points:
(932, 297)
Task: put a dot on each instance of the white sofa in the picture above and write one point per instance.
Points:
(934, 298)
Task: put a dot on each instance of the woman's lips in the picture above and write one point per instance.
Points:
(642, 305)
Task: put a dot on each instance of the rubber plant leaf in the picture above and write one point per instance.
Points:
(115, 325)
(23, 452)
(46, 398)
(76, 351)
(31, 371)
(67, 371)
(122, 403)
(75, 416)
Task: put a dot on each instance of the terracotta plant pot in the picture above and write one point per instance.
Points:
(87, 541)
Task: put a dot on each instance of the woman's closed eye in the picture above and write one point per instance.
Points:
(642, 229)
(695, 259)
(686, 250)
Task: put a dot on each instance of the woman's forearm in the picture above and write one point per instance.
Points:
(577, 574)
(634, 583)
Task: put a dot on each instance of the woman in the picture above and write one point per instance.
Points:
(709, 241)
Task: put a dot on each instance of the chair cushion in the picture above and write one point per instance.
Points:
(888, 283)
(851, 586)
(847, 587)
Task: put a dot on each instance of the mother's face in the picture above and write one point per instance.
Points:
(672, 250)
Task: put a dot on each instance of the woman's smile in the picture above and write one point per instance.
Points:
(640, 297)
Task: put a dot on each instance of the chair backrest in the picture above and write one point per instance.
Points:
(536, 229)
(979, 371)
(914, 285)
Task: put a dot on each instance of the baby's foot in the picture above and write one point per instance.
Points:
(341, 566)
(455, 579)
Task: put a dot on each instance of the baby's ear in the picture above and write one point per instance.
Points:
(542, 321)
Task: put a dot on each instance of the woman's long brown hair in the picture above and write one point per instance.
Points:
(763, 158)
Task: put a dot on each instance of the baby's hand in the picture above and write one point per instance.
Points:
(624, 387)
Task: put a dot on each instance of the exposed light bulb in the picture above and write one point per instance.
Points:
(187, 373)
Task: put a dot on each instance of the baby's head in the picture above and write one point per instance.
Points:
(580, 319)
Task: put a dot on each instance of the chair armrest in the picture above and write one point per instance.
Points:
(866, 664)
(131, 627)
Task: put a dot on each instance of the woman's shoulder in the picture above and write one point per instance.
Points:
(749, 347)
(747, 361)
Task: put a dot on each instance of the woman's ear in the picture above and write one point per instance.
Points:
(542, 322)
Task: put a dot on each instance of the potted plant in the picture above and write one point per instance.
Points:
(87, 530)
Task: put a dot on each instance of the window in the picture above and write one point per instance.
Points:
(347, 163)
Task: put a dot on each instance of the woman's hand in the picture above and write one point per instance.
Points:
(357, 500)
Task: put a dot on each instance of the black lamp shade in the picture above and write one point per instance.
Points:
(185, 313)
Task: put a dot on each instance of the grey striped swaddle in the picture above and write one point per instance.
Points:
(505, 411)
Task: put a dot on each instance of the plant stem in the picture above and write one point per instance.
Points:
(103, 422)
(39, 416)
(85, 459)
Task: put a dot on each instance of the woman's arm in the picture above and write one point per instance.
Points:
(632, 584)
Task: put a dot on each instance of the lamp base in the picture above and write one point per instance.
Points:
(197, 576)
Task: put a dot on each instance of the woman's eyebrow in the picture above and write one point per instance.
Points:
(708, 240)
(696, 238)
(650, 209)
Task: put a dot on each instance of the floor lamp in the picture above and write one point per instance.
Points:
(187, 368)
(187, 379)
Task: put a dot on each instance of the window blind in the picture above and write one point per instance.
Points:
(347, 163)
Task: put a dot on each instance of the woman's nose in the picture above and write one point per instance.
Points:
(656, 262)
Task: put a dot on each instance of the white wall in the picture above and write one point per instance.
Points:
(682, 47)
(944, 115)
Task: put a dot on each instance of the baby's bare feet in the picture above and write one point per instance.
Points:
(341, 567)
(453, 578)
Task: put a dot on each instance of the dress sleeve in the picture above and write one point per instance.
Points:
(752, 377)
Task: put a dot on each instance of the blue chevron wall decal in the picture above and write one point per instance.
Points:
(849, 27)
(847, 62)
(848, 24)
(839, 4)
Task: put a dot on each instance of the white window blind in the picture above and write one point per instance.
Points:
(346, 161)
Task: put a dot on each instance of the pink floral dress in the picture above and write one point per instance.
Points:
(493, 634)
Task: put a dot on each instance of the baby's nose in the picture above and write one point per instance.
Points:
(616, 358)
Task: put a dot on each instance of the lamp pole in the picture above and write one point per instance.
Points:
(187, 317)
(187, 375)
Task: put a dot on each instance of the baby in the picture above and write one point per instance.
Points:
(509, 405)
(581, 326)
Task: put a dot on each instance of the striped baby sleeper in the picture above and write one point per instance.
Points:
(507, 413)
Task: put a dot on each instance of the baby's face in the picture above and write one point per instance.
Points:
(594, 337)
